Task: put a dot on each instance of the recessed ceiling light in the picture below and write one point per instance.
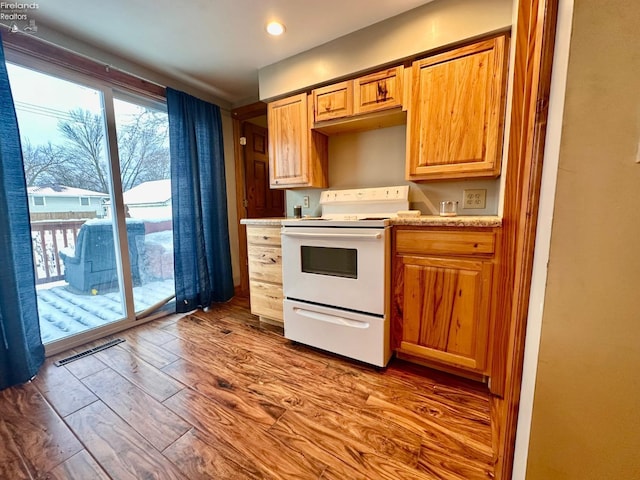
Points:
(275, 28)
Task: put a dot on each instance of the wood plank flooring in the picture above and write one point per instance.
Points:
(214, 396)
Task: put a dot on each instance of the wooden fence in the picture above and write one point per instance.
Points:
(48, 237)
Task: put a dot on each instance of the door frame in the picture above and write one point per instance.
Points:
(239, 116)
(534, 50)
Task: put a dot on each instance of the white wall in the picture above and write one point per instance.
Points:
(543, 236)
(376, 158)
(585, 411)
(434, 25)
(232, 210)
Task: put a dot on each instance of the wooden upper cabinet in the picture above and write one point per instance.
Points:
(456, 111)
(350, 105)
(378, 91)
(333, 101)
(297, 154)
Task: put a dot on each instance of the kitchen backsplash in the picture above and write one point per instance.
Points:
(376, 158)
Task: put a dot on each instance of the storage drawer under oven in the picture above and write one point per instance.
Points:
(354, 335)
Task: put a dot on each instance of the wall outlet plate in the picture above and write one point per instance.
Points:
(305, 201)
(476, 198)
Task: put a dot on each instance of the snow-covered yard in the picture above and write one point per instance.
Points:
(63, 313)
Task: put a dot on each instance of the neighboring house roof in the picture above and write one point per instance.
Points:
(63, 191)
(156, 191)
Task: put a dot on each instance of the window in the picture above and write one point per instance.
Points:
(69, 126)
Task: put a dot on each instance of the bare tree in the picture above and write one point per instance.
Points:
(41, 163)
(81, 161)
(85, 162)
(142, 148)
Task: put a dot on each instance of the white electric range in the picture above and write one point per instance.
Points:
(336, 273)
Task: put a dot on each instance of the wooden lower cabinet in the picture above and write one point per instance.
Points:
(442, 288)
(264, 252)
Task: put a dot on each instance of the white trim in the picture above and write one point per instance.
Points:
(123, 262)
(543, 236)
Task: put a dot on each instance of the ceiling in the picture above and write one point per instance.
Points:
(216, 46)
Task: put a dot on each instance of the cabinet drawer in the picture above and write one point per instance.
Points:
(265, 264)
(333, 101)
(263, 236)
(445, 243)
(266, 299)
(378, 91)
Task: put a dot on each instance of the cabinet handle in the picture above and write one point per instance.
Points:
(335, 319)
(382, 91)
(362, 236)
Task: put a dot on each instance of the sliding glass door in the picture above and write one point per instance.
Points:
(143, 150)
(102, 242)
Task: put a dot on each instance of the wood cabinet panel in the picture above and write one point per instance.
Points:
(442, 291)
(445, 243)
(444, 314)
(266, 299)
(454, 126)
(264, 255)
(257, 235)
(333, 101)
(265, 263)
(365, 103)
(297, 154)
(378, 91)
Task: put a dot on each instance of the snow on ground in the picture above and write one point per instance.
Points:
(63, 313)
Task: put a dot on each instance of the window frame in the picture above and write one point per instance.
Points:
(32, 53)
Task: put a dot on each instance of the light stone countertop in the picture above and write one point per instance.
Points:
(263, 222)
(486, 221)
(478, 221)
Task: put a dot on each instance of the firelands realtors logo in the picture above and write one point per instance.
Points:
(18, 15)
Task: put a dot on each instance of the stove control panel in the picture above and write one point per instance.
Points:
(365, 195)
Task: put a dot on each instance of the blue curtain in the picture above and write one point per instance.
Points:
(21, 349)
(199, 197)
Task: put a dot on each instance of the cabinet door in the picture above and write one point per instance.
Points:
(445, 310)
(333, 101)
(378, 91)
(456, 111)
(288, 141)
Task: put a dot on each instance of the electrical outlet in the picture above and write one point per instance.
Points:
(305, 201)
(475, 198)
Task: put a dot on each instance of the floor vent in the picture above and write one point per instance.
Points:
(86, 353)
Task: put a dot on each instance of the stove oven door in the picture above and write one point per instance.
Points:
(337, 267)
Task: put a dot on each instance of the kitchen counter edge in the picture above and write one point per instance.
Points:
(263, 222)
(487, 221)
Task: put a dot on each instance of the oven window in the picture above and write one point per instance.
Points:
(335, 262)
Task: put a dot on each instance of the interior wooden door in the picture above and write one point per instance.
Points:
(262, 201)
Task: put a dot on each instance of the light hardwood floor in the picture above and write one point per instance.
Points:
(212, 395)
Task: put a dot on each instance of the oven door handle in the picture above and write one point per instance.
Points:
(364, 236)
(323, 317)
